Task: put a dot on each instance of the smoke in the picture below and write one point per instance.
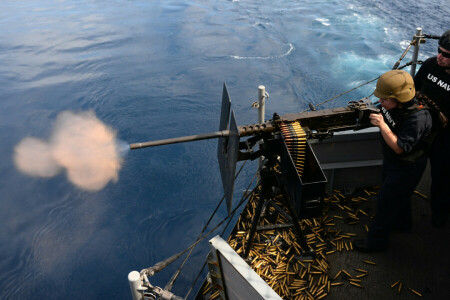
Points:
(80, 144)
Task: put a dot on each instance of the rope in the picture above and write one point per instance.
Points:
(342, 94)
(244, 197)
(429, 36)
(171, 282)
(413, 42)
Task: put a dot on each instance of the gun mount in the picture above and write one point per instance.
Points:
(284, 138)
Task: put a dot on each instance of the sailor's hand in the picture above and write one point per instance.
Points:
(376, 120)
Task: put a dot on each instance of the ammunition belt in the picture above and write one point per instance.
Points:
(295, 139)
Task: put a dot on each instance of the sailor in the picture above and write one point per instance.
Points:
(433, 80)
(404, 126)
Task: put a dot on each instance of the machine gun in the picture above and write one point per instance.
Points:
(317, 124)
(290, 163)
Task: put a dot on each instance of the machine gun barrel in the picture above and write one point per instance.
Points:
(183, 139)
(243, 131)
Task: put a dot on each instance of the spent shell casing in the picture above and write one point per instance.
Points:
(346, 273)
(355, 284)
(337, 275)
(346, 247)
(311, 282)
(415, 292)
(363, 212)
(316, 267)
(399, 289)
(368, 262)
(214, 296)
(395, 283)
(208, 287)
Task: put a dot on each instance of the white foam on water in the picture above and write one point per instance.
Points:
(323, 21)
(289, 51)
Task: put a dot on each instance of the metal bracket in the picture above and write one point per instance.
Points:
(256, 103)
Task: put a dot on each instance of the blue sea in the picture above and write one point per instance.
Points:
(152, 70)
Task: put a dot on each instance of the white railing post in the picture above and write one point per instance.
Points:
(134, 278)
(261, 112)
(416, 51)
(262, 103)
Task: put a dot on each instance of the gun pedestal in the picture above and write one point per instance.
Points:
(271, 180)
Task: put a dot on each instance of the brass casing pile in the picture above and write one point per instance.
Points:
(276, 257)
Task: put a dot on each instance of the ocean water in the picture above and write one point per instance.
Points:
(153, 70)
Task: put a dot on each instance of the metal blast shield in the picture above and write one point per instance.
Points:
(228, 148)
